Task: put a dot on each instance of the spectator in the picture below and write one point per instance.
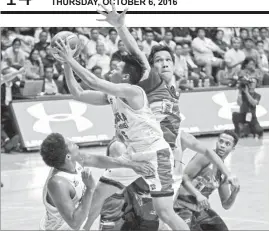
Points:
(91, 45)
(181, 35)
(194, 72)
(250, 52)
(168, 40)
(228, 34)
(112, 42)
(39, 30)
(265, 39)
(140, 45)
(256, 35)
(203, 49)
(250, 70)
(121, 51)
(14, 56)
(247, 99)
(43, 41)
(97, 71)
(181, 67)
(264, 62)
(134, 33)
(220, 43)
(50, 86)
(233, 59)
(113, 66)
(34, 66)
(148, 43)
(244, 34)
(99, 59)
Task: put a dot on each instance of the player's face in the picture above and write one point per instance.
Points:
(116, 74)
(225, 145)
(163, 63)
(73, 150)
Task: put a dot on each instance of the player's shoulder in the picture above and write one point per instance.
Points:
(58, 183)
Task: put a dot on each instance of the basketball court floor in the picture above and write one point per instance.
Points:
(24, 174)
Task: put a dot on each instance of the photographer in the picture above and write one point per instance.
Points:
(247, 99)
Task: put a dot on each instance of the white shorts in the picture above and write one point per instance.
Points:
(160, 182)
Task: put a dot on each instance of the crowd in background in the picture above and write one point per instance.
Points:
(217, 54)
(204, 57)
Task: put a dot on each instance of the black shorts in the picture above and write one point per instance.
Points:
(206, 220)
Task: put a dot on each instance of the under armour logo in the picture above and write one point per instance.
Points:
(227, 108)
(43, 123)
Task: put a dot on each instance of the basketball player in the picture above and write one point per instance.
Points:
(68, 190)
(200, 179)
(137, 124)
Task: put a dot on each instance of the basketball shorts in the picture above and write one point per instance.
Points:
(160, 182)
(202, 221)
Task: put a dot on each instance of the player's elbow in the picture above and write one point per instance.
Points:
(225, 206)
(75, 225)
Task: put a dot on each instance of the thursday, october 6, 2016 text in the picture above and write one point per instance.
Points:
(116, 2)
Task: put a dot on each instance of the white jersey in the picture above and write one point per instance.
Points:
(139, 128)
(53, 219)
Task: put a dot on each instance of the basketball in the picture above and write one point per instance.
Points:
(66, 36)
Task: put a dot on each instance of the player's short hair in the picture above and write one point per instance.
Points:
(132, 67)
(232, 134)
(158, 48)
(54, 150)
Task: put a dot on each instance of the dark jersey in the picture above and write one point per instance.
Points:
(164, 102)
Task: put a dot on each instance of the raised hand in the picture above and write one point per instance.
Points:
(112, 17)
(64, 50)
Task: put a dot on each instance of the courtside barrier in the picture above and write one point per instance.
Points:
(204, 112)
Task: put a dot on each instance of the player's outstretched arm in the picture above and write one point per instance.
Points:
(120, 90)
(142, 168)
(118, 21)
(88, 96)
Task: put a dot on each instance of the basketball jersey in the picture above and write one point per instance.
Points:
(139, 128)
(206, 181)
(53, 219)
(164, 103)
